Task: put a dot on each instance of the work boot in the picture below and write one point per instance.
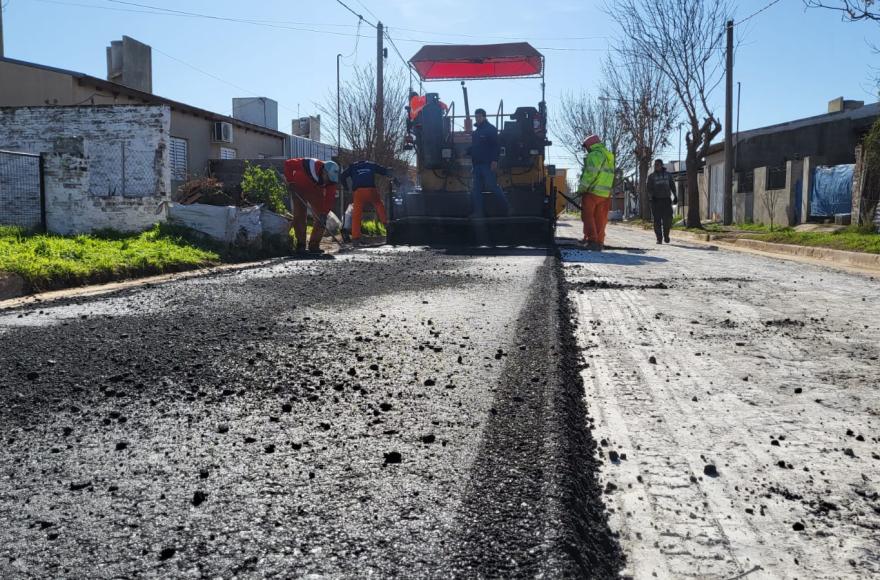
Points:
(666, 239)
(659, 241)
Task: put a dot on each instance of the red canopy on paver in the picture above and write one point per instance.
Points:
(477, 61)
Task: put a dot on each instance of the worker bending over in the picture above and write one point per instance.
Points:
(661, 189)
(595, 187)
(363, 186)
(312, 183)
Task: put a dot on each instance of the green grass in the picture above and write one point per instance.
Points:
(853, 238)
(372, 228)
(50, 261)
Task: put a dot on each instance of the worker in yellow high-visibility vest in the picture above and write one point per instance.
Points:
(595, 188)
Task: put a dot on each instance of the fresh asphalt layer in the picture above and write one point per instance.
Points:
(395, 413)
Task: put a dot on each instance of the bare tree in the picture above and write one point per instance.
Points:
(684, 40)
(850, 10)
(358, 118)
(770, 199)
(646, 105)
(580, 114)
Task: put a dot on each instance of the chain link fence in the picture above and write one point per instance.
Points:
(117, 168)
(21, 190)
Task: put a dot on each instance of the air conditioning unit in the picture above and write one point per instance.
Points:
(222, 132)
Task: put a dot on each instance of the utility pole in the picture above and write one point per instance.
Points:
(1, 32)
(380, 89)
(728, 132)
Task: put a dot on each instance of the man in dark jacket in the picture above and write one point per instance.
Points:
(484, 156)
(661, 190)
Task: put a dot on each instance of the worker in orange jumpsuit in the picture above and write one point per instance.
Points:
(312, 182)
(363, 184)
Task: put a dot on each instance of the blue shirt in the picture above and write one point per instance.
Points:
(484, 144)
(363, 174)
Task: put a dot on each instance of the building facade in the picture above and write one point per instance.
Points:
(196, 135)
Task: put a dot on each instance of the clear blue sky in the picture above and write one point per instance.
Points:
(791, 62)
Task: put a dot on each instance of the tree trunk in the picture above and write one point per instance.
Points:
(693, 216)
(644, 202)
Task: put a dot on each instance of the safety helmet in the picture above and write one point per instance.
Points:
(332, 169)
(591, 140)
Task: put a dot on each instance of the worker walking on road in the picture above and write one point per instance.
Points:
(363, 185)
(661, 190)
(484, 156)
(312, 184)
(595, 187)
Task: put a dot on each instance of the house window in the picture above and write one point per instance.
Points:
(178, 156)
(227, 153)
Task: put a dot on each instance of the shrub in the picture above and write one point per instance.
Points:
(262, 185)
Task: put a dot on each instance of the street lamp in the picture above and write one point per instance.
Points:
(339, 133)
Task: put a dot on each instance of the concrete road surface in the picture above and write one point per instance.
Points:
(394, 413)
(736, 402)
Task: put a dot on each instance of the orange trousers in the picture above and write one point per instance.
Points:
(300, 215)
(594, 213)
(363, 195)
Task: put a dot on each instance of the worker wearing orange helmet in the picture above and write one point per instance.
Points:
(597, 180)
(312, 183)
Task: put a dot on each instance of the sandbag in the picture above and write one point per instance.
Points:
(238, 226)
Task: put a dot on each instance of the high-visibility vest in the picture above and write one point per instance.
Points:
(598, 175)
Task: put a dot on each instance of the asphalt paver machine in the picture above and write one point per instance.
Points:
(435, 209)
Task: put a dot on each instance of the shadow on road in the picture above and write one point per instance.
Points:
(608, 257)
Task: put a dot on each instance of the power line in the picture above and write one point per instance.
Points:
(394, 46)
(515, 38)
(156, 10)
(367, 8)
(357, 42)
(159, 9)
(359, 15)
(753, 14)
(215, 77)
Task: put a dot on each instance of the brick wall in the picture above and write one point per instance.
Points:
(104, 167)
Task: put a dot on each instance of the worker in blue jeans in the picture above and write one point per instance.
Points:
(484, 156)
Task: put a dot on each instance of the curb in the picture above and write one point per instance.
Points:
(842, 259)
(855, 259)
(15, 300)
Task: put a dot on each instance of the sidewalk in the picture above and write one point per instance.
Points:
(840, 259)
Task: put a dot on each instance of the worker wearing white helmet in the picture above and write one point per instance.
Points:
(312, 183)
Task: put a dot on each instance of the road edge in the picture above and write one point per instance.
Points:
(582, 494)
(101, 289)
